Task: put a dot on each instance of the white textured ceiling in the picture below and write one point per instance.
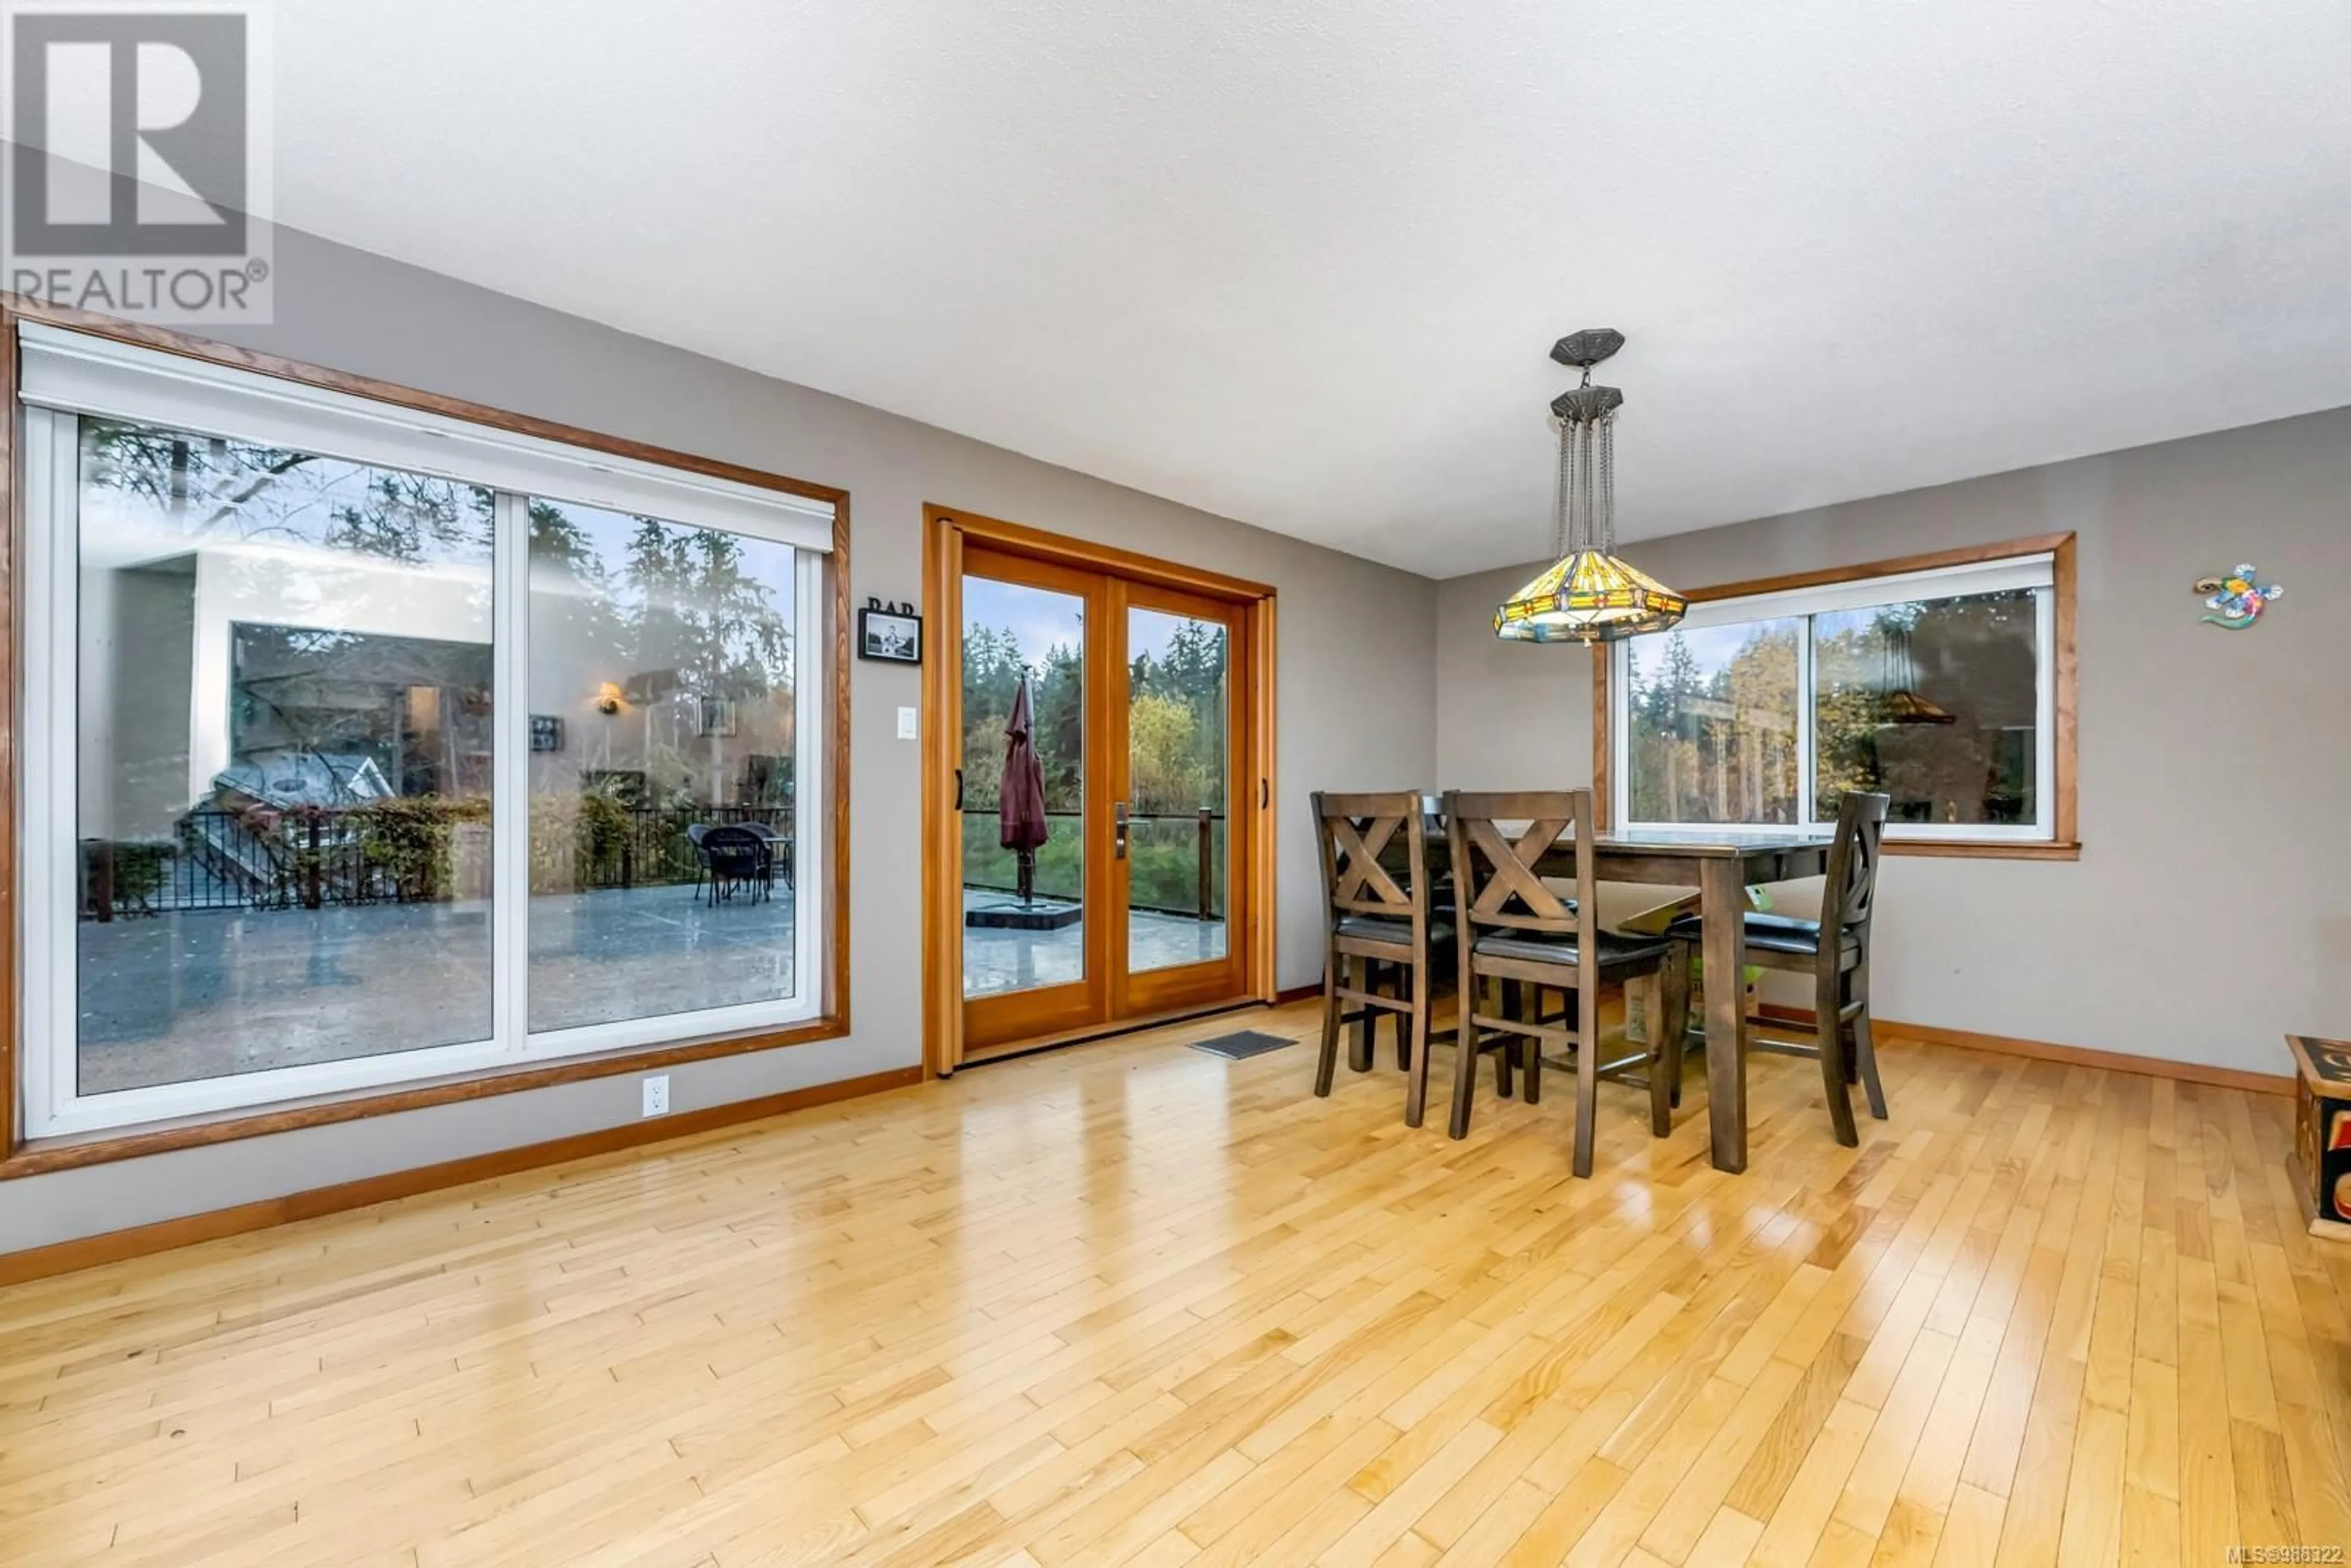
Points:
(1301, 263)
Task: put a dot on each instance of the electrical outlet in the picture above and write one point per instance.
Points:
(657, 1095)
(907, 723)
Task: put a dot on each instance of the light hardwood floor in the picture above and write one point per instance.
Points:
(1130, 1304)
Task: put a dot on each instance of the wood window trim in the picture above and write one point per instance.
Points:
(945, 531)
(1018, 539)
(20, 1157)
(2065, 844)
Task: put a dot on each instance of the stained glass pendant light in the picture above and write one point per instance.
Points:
(1588, 595)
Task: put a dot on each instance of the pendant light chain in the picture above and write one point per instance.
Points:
(1573, 526)
(1606, 514)
(1587, 525)
(1564, 497)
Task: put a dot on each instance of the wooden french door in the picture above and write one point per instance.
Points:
(1145, 718)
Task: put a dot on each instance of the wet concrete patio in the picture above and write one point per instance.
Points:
(194, 994)
(995, 960)
(212, 993)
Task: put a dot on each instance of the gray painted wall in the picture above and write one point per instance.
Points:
(2211, 911)
(1339, 617)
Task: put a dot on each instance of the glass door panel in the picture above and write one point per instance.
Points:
(1178, 710)
(1024, 780)
(1032, 935)
(1178, 784)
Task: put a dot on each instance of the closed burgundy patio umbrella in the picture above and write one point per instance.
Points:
(1020, 803)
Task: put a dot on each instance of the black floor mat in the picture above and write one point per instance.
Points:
(1247, 1043)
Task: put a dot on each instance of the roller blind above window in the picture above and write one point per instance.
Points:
(75, 373)
(2006, 575)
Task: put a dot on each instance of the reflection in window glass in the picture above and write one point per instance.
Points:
(662, 702)
(1935, 704)
(284, 732)
(1711, 724)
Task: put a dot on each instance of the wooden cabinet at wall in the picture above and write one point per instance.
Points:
(2322, 1133)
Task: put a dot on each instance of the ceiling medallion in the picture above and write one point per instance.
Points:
(1587, 595)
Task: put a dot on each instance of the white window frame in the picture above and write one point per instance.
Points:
(2034, 572)
(71, 375)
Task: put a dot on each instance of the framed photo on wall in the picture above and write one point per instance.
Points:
(893, 632)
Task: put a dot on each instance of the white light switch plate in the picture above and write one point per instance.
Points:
(906, 724)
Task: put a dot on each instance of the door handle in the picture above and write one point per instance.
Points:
(1118, 836)
(1264, 794)
(959, 805)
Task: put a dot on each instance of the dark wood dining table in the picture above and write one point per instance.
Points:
(1721, 867)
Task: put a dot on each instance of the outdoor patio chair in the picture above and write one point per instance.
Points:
(735, 858)
(779, 852)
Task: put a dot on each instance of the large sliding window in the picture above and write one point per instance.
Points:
(364, 746)
(1936, 687)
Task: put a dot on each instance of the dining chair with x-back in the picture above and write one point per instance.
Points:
(1514, 930)
(1381, 926)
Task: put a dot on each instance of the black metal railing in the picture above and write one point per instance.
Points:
(400, 851)
(655, 846)
(1168, 873)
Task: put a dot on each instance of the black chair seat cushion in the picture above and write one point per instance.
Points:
(1769, 933)
(1618, 955)
(1382, 928)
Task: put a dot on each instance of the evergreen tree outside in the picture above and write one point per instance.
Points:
(1714, 731)
(1934, 702)
(1177, 724)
